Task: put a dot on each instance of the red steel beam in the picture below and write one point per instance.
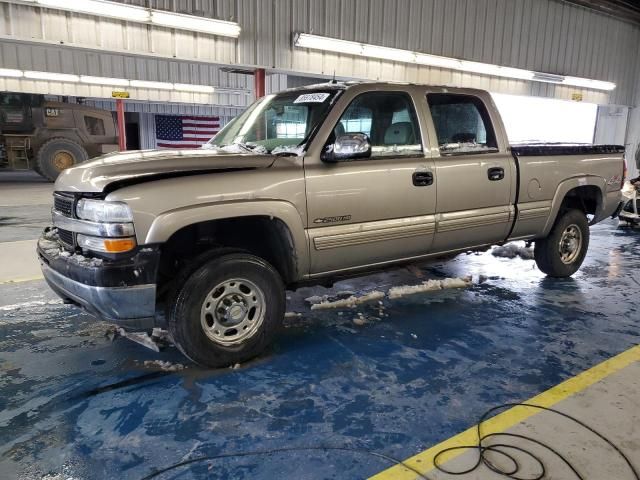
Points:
(258, 82)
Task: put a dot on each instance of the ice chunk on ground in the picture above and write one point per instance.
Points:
(316, 299)
(349, 302)
(292, 315)
(142, 338)
(513, 250)
(33, 303)
(455, 283)
(359, 321)
(429, 286)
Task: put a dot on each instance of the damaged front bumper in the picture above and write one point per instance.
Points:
(118, 291)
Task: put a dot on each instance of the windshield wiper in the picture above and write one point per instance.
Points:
(286, 154)
(247, 147)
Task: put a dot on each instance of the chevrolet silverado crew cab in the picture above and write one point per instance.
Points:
(306, 186)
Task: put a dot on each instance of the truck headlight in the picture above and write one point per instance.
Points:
(103, 211)
(106, 245)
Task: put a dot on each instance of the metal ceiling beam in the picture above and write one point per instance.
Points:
(628, 10)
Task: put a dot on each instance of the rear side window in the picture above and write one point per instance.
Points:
(462, 124)
(388, 119)
(95, 126)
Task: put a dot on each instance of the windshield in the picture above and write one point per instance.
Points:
(276, 123)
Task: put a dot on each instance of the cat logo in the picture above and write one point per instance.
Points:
(340, 218)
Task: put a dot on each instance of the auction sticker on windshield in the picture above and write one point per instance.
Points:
(311, 98)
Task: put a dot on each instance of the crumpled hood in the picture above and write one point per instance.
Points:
(142, 165)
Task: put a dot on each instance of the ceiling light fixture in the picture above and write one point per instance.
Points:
(113, 82)
(50, 76)
(185, 87)
(133, 13)
(117, 82)
(10, 72)
(149, 84)
(197, 24)
(99, 7)
(317, 42)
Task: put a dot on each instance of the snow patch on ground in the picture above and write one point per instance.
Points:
(429, 286)
(57, 476)
(513, 250)
(165, 366)
(34, 303)
(349, 302)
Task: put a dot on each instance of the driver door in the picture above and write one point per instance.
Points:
(364, 212)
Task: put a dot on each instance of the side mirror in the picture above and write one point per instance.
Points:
(348, 147)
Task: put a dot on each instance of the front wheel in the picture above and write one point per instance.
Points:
(563, 251)
(228, 311)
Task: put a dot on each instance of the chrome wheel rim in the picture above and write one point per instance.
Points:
(232, 311)
(570, 244)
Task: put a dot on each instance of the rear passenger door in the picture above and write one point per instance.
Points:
(475, 174)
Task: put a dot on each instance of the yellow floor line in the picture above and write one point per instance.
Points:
(20, 280)
(423, 462)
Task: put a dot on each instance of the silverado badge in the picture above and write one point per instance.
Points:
(339, 218)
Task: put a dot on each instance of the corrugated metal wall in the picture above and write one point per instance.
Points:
(544, 35)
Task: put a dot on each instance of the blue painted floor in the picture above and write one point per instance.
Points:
(74, 404)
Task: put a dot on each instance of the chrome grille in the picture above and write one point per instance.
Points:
(66, 237)
(63, 204)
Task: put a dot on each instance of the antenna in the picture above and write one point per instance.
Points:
(333, 80)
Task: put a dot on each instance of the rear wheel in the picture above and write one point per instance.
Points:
(56, 155)
(228, 311)
(561, 254)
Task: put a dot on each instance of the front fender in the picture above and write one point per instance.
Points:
(565, 187)
(166, 224)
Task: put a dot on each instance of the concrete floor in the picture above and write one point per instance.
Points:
(76, 404)
(25, 209)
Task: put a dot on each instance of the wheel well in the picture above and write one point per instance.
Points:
(266, 237)
(587, 199)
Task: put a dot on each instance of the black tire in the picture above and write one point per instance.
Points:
(186, 319)
(57, 154)
(563, 261)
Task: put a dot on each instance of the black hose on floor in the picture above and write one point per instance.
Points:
(516, 467)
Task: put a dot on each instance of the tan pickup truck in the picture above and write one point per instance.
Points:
(307, 186)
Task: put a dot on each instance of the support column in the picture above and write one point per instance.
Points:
(258, 82)
(122, 134)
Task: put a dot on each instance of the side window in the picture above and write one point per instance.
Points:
(388, 119)
(95, 126)
(462, 124)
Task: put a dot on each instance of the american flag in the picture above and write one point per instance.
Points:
(173, 131)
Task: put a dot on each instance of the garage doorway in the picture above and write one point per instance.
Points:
(132, 129)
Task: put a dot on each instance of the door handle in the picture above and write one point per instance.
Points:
(496, 173)
(422, 179)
